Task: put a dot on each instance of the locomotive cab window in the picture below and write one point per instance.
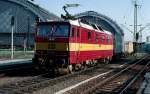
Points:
(55, 30)
(89, 35)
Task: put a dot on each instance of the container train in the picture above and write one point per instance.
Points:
(71, 44)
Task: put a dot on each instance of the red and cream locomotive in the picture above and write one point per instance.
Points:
(70, 44)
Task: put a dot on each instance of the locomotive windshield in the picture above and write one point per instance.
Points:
(57, 30)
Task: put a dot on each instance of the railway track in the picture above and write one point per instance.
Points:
(13, 88)
(43, 81)
(115, 83)
(119, 85)
(39, 82)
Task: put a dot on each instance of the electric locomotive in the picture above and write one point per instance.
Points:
(71, 44)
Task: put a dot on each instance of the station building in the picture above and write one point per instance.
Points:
(25, 13)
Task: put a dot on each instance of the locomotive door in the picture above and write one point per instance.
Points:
(76, 40)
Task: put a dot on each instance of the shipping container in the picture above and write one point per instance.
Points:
(128, 47)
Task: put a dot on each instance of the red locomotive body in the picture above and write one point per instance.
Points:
(71, 43)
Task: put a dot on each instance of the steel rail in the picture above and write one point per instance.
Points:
(34, 82)
(26, 85)
(134, 79)
(112, 77)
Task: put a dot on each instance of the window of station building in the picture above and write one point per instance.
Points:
(73, 31)
(78, 32)
(89, 35)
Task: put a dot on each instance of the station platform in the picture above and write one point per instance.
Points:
(15, 63)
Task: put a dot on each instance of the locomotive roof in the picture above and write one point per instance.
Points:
(91, 27)
(79, 23)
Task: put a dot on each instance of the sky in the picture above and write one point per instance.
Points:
(121, 11)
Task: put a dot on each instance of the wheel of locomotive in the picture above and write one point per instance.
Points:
(78, 67)
(83, 65)
(65, 69)
(104, 61)
(70, 69)
(110, 59)
(95, 62)
(107, 60)
(56, 70)
(40, 69)
(38, 66)
(88, 63)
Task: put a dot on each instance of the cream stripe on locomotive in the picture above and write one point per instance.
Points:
(72, 46)
(89, 47)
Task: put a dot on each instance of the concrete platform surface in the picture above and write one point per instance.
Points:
(14, 61)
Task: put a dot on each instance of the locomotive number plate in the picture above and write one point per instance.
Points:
(51, 46)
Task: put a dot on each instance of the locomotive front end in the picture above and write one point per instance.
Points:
(52, 44)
